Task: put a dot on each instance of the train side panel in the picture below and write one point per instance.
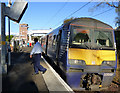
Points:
(63, 54)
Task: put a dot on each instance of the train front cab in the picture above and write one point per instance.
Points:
(91, 57)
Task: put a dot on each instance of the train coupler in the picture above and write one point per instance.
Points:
(91, 81)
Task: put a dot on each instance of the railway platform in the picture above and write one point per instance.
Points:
(20, 79)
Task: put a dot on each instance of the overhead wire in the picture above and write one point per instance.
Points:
(73, 13)
(57, 12)
(103, 12)
(61, 8)
(76, 12)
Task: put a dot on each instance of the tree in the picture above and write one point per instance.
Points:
(7, 37)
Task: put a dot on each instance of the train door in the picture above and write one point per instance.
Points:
(46, 45)
(58, 46)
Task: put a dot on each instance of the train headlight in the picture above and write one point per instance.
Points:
(108, 63)
(76, 62)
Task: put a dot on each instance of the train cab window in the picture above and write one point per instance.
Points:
(80, 36)
(104, 38)
(89, 38)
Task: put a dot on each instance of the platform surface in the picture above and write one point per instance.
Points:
(20, 78)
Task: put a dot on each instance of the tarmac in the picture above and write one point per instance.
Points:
(20, 79)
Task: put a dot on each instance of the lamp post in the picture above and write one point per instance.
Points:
(9, 48)
(3, 49)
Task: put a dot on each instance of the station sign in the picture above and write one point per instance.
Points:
(16, 11)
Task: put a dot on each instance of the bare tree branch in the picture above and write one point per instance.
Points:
(99, 4)
(112, 5)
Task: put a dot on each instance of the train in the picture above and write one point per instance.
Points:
(85, 51)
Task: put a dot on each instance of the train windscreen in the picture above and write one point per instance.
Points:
(90, 38)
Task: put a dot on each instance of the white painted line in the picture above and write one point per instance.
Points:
(59, 78)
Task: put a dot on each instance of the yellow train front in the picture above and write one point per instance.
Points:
(84, 49)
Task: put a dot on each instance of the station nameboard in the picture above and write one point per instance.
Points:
(16, 11)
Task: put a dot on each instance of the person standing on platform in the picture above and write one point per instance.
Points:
(30, 44)
(27, 44)
(36, 54)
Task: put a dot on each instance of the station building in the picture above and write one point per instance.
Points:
(27, 36)
(23, 31)
(37, 33)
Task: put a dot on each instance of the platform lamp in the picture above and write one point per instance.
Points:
(9, 48)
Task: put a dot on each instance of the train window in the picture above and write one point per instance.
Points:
(104, 38)
(80, 36)
(54, 40)
(84, 37)
(50, 41)
(43, 42)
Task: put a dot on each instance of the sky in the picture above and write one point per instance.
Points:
(45, 15)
